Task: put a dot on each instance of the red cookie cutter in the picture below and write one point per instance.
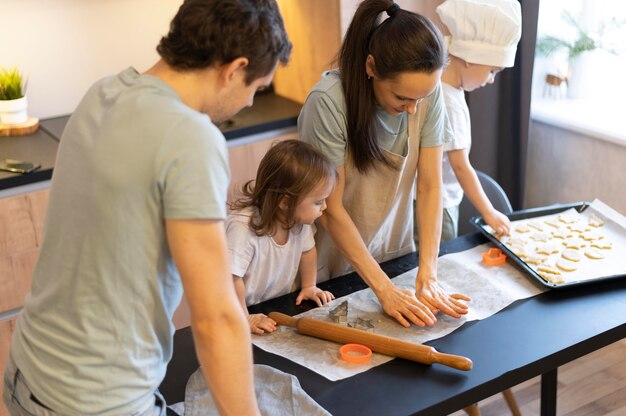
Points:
(494, 257)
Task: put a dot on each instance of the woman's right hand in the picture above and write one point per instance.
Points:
(260, 323)
(404, 307)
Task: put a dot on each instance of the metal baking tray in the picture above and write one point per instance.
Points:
(479, 223)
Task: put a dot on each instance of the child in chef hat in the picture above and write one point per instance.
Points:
(483, 41)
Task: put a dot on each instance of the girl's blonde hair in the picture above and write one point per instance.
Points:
(290, 168)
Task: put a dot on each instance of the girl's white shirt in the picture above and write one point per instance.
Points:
(268, 269)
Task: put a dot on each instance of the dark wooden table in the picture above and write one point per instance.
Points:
(530, 337)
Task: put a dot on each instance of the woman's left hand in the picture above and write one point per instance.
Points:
(430, 293)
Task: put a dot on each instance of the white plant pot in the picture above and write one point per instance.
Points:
(13, 111)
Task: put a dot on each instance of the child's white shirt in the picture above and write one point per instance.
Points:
(459, 116)
(268, 269)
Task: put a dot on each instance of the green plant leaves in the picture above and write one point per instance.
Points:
(12, 85)
(546, 45)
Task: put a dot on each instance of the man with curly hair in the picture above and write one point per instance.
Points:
(136, 214)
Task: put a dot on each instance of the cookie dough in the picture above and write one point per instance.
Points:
(548, 268)
(562, 233)
(591, 235)
(568, 218)
(603, 244)
(547, 248)
(566, 265)
(553, 222)
(574, 243)
(594, 253)
(535, 259)
(595, 221)
(519, 250)
(516, 241)
(579, 228)
(552, 278)
(543, 237)
(571, 255)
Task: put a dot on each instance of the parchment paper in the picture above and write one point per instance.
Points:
(491, 289)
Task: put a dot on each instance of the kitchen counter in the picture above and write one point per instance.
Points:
(39, 147)
(269, 113)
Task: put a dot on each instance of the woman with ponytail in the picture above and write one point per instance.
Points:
(380, 119)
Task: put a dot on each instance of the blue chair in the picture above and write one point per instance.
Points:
(496, 195)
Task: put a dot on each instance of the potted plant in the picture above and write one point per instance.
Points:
(580, 53)
(13, 102)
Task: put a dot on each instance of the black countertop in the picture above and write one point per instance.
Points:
(530, 337)
(39, 148)
(269, 112)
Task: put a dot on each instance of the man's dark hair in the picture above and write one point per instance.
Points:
(213, 32)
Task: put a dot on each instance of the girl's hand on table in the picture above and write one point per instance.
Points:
(314, 293)
(260, 323)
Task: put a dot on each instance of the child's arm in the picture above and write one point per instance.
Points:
(466, 175)
(308, 276)
(259, 323)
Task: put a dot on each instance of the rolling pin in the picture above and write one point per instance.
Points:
(379, 343)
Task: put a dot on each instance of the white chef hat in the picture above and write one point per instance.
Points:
(483, 32)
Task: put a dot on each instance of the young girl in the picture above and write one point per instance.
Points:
(270, 233)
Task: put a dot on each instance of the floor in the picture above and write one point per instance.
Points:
(594, 385)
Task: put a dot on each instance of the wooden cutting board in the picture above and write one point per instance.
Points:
(29, 127)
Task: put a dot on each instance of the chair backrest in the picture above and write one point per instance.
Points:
(496, 195)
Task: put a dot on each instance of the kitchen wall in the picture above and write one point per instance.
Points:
(565, 165)
(63, 46)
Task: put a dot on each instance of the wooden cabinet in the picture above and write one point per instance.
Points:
(244, 161)
(316, 29)
(313, 28)
(21, 234)
(6, 330)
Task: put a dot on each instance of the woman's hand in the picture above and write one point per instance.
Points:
(499, 222)
(403, 306)
(428, 291)
(314, 293)
(260, 323)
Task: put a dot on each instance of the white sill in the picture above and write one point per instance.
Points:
(594, 118)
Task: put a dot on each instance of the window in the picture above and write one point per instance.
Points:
(582, 89)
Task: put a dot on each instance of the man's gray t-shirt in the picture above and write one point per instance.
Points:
(323, 122)
(96, 333)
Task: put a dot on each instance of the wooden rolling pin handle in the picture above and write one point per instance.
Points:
(454, 361)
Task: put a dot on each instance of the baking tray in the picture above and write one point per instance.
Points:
(479, 223)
